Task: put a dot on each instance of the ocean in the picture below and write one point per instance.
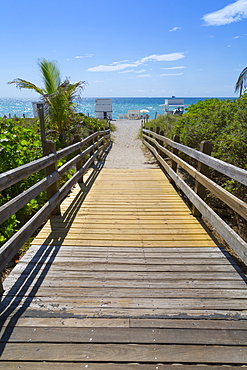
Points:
(18, 107)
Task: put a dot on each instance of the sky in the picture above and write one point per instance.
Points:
(128, 48)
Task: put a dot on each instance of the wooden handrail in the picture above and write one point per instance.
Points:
(239, 206)
(236, 173)
(11, 247)
(15, 175)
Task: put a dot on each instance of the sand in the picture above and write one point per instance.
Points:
(127, 150)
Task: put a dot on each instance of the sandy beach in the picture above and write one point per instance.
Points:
(127, 150)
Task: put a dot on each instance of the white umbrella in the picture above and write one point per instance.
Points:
(144, 111)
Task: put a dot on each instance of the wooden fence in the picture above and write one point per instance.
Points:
(95, 144)
(159, 144)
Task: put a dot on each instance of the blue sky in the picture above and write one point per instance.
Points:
(149, 48)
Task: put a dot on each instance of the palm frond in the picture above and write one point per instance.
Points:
(23, 84)
(241, 82)
(50, 74)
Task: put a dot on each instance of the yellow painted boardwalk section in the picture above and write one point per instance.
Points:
(126, 278)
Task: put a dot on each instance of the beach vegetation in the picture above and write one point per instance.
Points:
(165, 122)
(223, 122)
(18, 145)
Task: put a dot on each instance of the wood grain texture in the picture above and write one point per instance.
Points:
(125, 278)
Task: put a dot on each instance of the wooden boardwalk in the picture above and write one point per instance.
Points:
(126, 278)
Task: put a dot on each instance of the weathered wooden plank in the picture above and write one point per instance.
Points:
(105, 292)
(104, 231)
(124, 335)
(87, 312)
(125, 353)
(46, 365)
(203, 252)
(125, 259)
(173, 236)
(75, 304)
(140, 275)
(127, 225)
(87, 322)
(76, 265)
(151, 284)
(124, 243)
(188, 324)
(125, 323)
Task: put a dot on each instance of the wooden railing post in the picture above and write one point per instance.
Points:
(50, 147)
(205, 147)
(157, 130)
(79, 164)
(174, 166)
(151, 129)
(176, 138)
(95, 141)
(162, 133)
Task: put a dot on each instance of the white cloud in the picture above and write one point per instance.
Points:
(163, 57)
(84, 56)
(122, 61)
(178, 67)
(128, 71)
(133, 71)
(234, 12)
(175, 29)
(146, 75)
(171, 74)
(113, 67)
(141, 71)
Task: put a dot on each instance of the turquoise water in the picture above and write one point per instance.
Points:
(19, 107)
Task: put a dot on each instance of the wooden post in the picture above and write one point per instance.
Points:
(95, 141)
(174, 166)
(79, 164)
(50, 147)
(162, 133)
(205, 147)
(176, 138)
(40, 107)
(151, 129)
(157, 130)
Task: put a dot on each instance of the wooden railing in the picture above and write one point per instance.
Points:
(156, 142)
(95, 144)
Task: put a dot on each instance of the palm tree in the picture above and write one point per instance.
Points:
(241, 82)
(57, 96)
